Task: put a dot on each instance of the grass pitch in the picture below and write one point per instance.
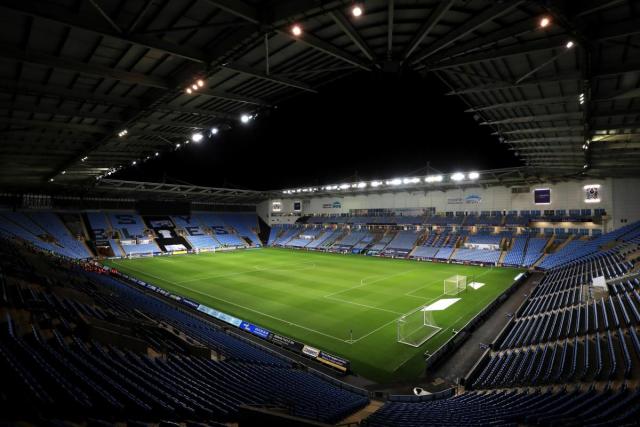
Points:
(319, 298)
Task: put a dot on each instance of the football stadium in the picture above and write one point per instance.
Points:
(312, 213)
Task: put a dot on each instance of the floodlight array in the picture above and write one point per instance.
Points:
(458, 177)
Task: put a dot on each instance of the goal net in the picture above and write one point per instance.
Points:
(455, 284)
(416, 327)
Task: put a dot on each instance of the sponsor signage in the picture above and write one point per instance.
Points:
(471, 199)
(219, 315)
(190, 303)
(255, 330)
(334, 205)
(333, 361)
(310, 351)
(286, 342)
(542, 196)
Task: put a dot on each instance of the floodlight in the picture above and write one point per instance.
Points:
(214, 131)
(51, 179)
(356, 11)
(197, 137)
(474, 175)
(296, 30)
(178, 145)
(200, 83)
(544, 22)
(63, 172)
(245, 118)
(569, 44)
(344, 186)
(134, 163)
(362, 185)
(433, 178)
(458, 176)
(194, 86)
(157, 154)
(376, 183)
(189, 90)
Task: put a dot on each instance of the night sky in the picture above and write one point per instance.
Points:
(370, 126)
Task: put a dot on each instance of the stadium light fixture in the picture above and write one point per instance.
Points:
(63, 172)
(433, 178)
(344, 186)
(189, 91)
(396, 181)
(362, 185)
(474, 175)
(376, 183)
(296, 30)
(134, 163)
(84, 158)
(214, 131)
(157, 154)
(357, 10)
(458, 176)
(51, 179)
(544, 22)
(194, 86)
(245, 118)
(411, 180)
(200, 83)
(197, 137)
(569, 44)
(122, 133)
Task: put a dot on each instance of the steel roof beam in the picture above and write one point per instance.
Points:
(83, 20)
(556, 42)
(579, 139)
(525, 103)
(11, 86)
(245, 69)
(523, 27)
(553, 79)
(326, 48)
(540, 130)
(536, 118)
(80, 127)
(434, 17)
(345, 25)
(48, 60)
(466, 28)
(60, 111)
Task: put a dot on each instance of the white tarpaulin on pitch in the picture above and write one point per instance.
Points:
(441, 304)
(599, 282)
(476, 285)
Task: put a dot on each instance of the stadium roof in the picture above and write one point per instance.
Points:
(74, 74)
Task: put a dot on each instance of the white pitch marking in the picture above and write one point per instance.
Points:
(243, 307)
(363, 283)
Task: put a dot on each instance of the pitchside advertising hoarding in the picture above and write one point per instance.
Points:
(335, 362)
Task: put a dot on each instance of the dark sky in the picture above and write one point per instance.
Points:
(370, 125)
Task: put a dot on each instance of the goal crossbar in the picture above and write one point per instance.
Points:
(416, 327)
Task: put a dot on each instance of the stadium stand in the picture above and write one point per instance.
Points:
(107, 375)
(194, 233)
(515, 255)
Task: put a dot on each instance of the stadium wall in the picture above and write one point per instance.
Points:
(619, 197)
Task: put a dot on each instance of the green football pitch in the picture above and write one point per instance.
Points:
(347, 305)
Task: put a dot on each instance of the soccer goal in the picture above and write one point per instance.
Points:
(455, 284)
(416, 327)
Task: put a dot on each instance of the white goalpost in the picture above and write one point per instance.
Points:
(416, 327)
(455, 284)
